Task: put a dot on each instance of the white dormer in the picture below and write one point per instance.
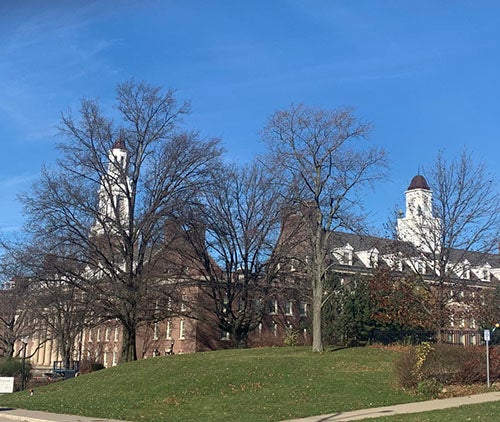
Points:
(369, 258)
(483, 272)
(394, 261)
(344, 254)
(463, 271)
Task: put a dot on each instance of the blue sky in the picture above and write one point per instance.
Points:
(424, 73)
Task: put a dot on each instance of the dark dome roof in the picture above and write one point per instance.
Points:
(419, 182)
(120, 144)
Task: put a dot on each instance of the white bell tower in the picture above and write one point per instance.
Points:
(419, 226)
(114, 192)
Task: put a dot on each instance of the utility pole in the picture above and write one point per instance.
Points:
(487, 338)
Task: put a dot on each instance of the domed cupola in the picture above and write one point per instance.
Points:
(418, 182)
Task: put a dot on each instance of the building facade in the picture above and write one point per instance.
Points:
(193, 328)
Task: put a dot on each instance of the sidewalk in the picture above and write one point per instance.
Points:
(36, 416)
(422, 406)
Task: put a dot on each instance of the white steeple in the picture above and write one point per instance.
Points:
(419, 226)
(114, 191)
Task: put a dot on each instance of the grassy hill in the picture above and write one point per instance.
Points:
(269, 384)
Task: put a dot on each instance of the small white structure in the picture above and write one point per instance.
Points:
(419, 226)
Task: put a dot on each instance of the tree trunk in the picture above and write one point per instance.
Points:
(241, 339)
(128, 352)
(317, 293)
(9, 350)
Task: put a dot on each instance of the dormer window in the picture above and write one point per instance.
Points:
(466, 271)
(485, 272)
(485, 275)
(420, 266)
(344, 254)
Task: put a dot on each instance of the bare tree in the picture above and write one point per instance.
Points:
(452, 218)
(319, 155)
(238, 226)
(14, 311)
(17, 304)
(102, 211)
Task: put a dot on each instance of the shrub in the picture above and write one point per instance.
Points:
(427, 367)
(404, 367)
(12, 367)
(429, 388)
(291, 337)
(97, 366)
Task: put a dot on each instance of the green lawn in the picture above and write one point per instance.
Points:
(268, 384)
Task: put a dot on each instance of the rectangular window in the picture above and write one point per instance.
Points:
(486, 275)
(169, 330)
(181, 330)
(106, 334)
(302, 309)
(115, 358)
(116, 334)
(90, 335)
(98, 335)
(155, 331)
(273, 307)
(288, 308)
(105, 359)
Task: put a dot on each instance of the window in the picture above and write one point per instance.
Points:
(274, 328)
(169, 330)
(224, 335)
(273, 307)
(98, 335)
(466, 272)
(115, 358)
(155, 331)
(106, 334)
(183, 303)
(116, 334)
(90, 335)
(486, 275)
(182, 329)
(288, 308)
(420, 267)
(302, 309)
(347, 258)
